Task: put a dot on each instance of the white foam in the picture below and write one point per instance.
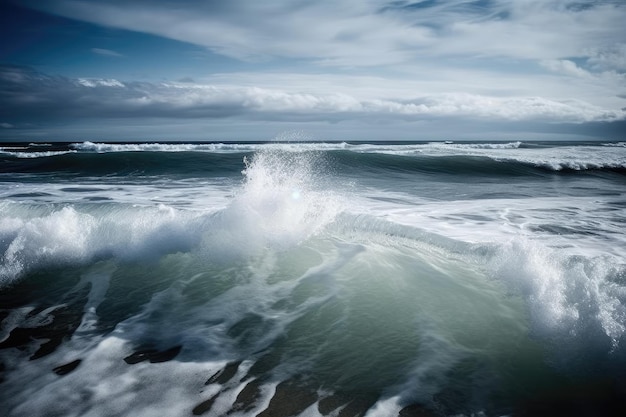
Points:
(433, 148)
(608, 155)
(536, 273)
(15, 319)
(555, 158)
(380, 246)
(577, 158)
(616, 144)
(204, 147)
(70, 236)
(470, 146)
(103, 384)
(159, 147)
(30, 155)
(500, 220)
(385, 408)
(282, 203)
(567, 295)
(570, 283)
(98, 279)
(436, 357)
(62, 235)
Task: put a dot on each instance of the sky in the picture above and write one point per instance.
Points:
(155, 70)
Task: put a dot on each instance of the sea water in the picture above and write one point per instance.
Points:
(334, 279)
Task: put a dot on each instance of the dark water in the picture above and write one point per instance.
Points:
(313, 279)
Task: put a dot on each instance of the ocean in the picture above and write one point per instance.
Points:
(313, 279)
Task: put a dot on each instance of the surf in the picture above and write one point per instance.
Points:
(274, 273)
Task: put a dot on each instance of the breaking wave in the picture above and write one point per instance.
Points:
(317, 285)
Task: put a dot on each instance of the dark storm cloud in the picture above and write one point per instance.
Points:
(29, 96)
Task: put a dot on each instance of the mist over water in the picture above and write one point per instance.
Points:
(313, 279)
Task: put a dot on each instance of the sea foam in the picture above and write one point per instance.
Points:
(74, 236)
(368, 295)
(282, 202)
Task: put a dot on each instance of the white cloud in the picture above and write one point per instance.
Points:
(109, 98)
(6, 126)
(566, 67)
(357, 32)
(528, 48)
(501, 61)
(532, 29)
(106, 52)
(612, 57)
(99, 82)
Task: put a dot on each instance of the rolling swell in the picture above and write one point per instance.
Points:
(188, 164)
(198, 160)
(466, 165)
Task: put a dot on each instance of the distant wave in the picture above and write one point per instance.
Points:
(197, 160)
(615, 144)
(572, 164)
(157, 147)
(283, 146)
(201, 147)
(440, 147)
(510, 145)
(477, 164)
(139, 163)
(31, 155)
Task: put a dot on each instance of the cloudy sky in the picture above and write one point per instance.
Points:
(303, 69)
